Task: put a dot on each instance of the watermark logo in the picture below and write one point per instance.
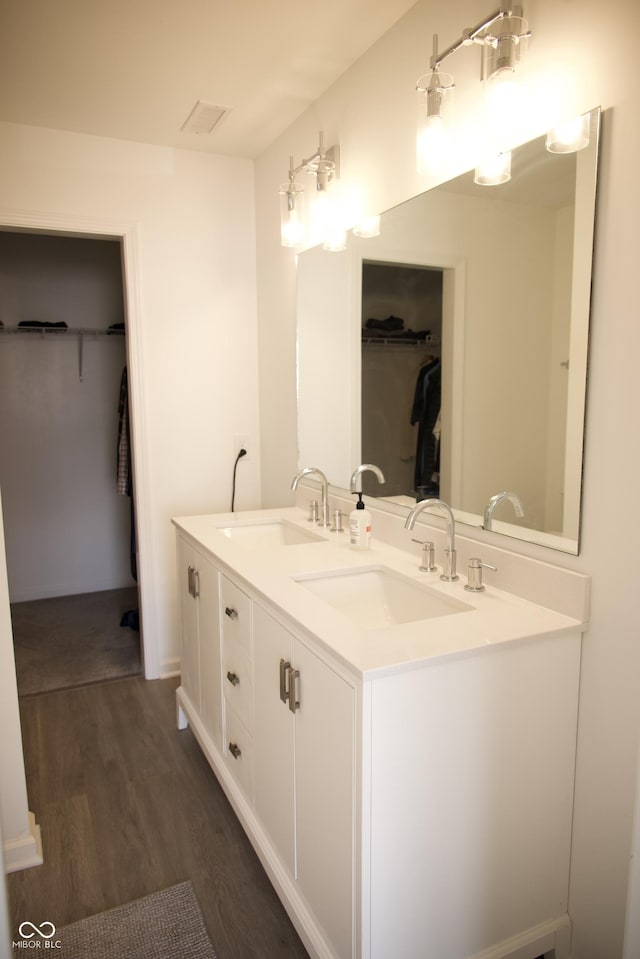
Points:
(37, 937)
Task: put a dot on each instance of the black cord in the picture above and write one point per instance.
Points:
(235, 466)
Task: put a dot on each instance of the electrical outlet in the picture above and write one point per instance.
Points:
(241, 442)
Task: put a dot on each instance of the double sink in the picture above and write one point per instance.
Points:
(369, 596)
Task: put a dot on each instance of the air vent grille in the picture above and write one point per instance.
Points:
(204, 117)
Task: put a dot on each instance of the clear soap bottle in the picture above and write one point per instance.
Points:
(359, 525)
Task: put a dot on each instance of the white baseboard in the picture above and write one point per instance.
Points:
(65, 589)
(25, 851)
(170, 667)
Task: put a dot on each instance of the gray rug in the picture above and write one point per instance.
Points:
(71, 641)
(164, 925)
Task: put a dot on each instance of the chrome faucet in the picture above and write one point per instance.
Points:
(449, 565)
(493, 502)
(366, 467)
(324, 510)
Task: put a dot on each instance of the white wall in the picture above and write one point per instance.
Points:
(19, 836)
(591, 58)
(190, 273)
(67, 529)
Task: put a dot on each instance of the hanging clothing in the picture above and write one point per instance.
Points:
(124, 484)
(425, 412)
(124, 448)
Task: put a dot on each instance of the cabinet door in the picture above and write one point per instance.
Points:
(324, 786)
(188, 560)
(209, 640)
(273, 736)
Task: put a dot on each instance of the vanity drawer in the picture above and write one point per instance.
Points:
(235, 615)
(237, 682)
(238, 751)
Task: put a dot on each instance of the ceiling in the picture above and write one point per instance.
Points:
(134, 69)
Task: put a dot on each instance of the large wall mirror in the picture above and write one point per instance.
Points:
(451, 350)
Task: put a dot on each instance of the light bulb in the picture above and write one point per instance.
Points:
(435, 92)
(503, 98)
(432, 146)
(292, 230)
(291, 215)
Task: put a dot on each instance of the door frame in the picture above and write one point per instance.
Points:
(127, 233)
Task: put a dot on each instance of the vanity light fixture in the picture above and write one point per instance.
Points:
(328, 211)
(493, 170)
(322, 165)
(569, 137)
(502, 35)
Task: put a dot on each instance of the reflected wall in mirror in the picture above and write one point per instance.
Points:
(468, 314)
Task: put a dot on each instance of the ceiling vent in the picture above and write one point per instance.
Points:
(204, 117)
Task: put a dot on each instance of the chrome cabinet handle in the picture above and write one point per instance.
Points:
(233, 678)
(193, 581)
(231, 612)
(235, 750)
(293, 674)
(284, 677)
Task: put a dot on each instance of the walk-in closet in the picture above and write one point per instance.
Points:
(401, 395)
(65, 460)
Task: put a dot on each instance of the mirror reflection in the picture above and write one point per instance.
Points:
(451, 350)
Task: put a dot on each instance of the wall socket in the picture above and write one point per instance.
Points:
(241, 442)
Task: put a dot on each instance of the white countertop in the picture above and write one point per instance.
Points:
(495, 616)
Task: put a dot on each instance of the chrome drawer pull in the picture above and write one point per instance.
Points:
(284, 676)
(293, 702)
(235, 750)
(231, 612)
(233, 678)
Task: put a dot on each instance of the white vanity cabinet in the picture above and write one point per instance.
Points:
(199, 636)
(409, 789)
(305, 773)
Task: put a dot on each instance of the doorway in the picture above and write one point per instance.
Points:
(69, 531)
(402, 309)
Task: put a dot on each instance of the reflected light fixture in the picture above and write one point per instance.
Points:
(569, 137)
(368, 227)
(494, 170)
(502, 35)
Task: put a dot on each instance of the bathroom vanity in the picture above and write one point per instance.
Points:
(399, 751)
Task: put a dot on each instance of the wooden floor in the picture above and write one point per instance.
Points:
(128, 805)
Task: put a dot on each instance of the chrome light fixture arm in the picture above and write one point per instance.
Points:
(475, 34)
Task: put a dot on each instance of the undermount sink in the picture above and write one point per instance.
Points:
(275, 533)
(378, 596)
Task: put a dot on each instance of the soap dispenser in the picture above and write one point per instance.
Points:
(359, 525)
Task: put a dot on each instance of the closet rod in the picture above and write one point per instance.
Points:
(80, 332)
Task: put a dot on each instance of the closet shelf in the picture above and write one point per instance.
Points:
(400, 341)
(80, 332)
(59, 331)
